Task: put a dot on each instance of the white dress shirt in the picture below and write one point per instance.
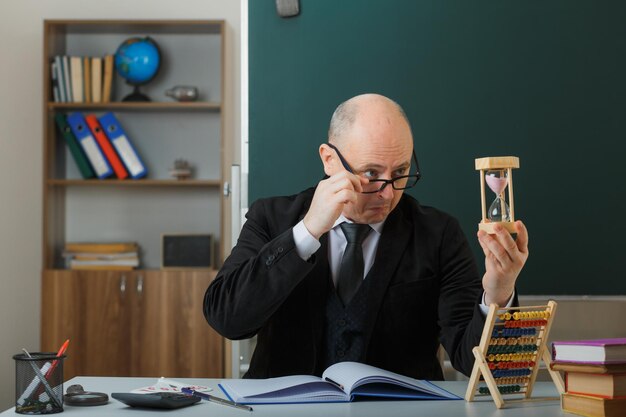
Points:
(307, 245)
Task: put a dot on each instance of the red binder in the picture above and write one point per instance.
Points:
(106, 147)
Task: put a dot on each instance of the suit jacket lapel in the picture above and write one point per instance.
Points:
(391, 246)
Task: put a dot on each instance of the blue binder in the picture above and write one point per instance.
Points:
(127, 152)
(83, 134)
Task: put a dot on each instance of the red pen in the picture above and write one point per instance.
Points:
(48, 374)
(62, 350)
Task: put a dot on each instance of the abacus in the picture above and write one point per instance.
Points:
(512, 345)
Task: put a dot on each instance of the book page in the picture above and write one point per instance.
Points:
(294, 388)
(352, 375)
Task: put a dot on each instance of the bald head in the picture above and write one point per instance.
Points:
(364, 105)
(372, 140)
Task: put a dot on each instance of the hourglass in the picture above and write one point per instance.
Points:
(497, 173)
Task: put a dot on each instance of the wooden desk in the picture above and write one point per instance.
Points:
(484, 407)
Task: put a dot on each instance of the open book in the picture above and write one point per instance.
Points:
(341, 382)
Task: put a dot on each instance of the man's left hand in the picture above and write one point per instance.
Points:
(504, 259)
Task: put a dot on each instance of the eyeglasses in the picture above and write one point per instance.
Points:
(398, 183)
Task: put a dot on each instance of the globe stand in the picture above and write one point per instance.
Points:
(136, 95)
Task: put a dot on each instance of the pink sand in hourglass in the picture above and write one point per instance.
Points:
(496, 184)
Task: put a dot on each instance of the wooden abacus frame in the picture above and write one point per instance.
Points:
(516, 371)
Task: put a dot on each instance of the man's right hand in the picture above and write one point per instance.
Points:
(329, 199)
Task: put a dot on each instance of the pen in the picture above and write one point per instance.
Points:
(337, 384)
(61, 352)
(214, 399)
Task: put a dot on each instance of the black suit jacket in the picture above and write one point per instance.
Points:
(425, 290)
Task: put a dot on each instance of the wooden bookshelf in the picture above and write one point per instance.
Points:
(112, 316)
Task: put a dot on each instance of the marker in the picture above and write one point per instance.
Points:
(214, 399)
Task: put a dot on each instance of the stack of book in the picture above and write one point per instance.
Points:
(595, 376)
(78, 79)
(112, 256)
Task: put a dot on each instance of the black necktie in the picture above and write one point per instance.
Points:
(352, 265)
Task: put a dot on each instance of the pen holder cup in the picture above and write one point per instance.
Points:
(38, 383)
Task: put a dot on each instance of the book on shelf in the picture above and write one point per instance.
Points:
(87, 78)
(102, 267)
(101, 247)
(87, 264)
(76, 75)
(590, 406)
(107, 148)
(55, 82)
(58, 61)
(107, 79)
(596, 351)
(341, 382)
(75, 149)
(67, 80)
(96, 79)
(598, 385)
(87, 256)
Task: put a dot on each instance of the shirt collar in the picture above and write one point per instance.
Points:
(378, 227)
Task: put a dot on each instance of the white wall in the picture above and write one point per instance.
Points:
(21, 26)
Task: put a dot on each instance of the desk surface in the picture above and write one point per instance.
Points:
(483, 407)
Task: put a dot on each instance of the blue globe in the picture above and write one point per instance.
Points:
(137, 60)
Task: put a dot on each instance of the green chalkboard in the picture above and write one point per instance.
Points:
(541, 80)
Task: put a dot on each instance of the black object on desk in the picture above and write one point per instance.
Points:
(165, 400)
(77, 396)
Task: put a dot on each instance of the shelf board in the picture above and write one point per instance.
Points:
(135, 183)
(213, 270)
(135, 106)
(139, 27)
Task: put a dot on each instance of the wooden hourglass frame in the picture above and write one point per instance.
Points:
(497, 163)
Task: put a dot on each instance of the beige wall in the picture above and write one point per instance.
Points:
(21, 24)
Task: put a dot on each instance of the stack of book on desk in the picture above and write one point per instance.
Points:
(112, 256)
(595, 376)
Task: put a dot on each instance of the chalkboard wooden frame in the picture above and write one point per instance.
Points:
(182, 251)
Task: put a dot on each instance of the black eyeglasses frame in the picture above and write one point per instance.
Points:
(384, 182)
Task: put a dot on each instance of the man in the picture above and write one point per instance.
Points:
(417, 283)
